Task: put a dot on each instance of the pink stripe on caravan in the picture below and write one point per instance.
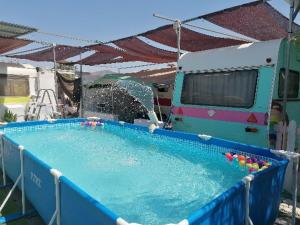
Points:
(223, 115)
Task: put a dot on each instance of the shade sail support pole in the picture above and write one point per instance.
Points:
(177, 28)
(55, 68)
(286, 76)
(81, 98)
(293, 13)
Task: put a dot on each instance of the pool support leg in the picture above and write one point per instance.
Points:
(247, 180)
(21, 148)
(19, 179)
(56, 174)
(53, 217)
(18, 215)
(2, 159)
(10, 193)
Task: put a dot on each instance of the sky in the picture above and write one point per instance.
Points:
(106, 20)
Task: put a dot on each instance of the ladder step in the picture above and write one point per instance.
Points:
(41, 104)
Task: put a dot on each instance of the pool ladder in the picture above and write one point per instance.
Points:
(44, 99)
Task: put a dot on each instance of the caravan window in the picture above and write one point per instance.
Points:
(13, 85)
(229, 89)
(293, 85)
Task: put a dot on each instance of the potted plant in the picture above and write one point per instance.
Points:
(9, 116)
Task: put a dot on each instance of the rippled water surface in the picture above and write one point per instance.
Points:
(144, 178)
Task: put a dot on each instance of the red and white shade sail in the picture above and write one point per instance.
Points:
(10, 44)
(258, 20)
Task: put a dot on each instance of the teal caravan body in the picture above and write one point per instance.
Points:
(228, 92)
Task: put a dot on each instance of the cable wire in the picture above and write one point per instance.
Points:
(217, 32)
(25, 51)
(70, 37)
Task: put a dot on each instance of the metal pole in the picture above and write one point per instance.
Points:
(177, 27)
(81, 98)
(287, 71)
(2, 159)
(112, 99)
(158, 105)
(292, 16)
(21, 148)
(55, 68)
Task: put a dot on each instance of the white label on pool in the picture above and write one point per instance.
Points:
(35, 179)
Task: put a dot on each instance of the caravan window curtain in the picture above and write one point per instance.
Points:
(228, 89)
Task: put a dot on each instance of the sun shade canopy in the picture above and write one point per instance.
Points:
(138, 48)
(14, 30)
(9, 44)
(62, 52)
(102, 58)
(190, 40)
(127, 50)
(258, 20)
(159, 76)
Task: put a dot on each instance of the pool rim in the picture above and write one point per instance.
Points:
(248, 149)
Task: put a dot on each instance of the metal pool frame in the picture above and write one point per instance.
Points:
(253, 200)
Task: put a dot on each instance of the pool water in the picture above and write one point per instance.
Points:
(142, 177)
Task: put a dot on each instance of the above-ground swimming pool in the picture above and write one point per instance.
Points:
(146, 178)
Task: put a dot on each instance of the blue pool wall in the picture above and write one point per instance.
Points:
(78, 208)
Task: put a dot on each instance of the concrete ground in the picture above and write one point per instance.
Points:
(285, 211)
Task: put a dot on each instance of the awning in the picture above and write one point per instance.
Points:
(62, 52)
(10, 30)
(9, 44)
(190, 40)
(258, 20)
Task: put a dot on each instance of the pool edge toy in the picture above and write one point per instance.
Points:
(252, 163)
(92, 124)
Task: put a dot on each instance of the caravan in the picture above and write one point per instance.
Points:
(19, 86)
(236, 92)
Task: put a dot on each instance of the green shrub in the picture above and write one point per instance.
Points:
(9, 116)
